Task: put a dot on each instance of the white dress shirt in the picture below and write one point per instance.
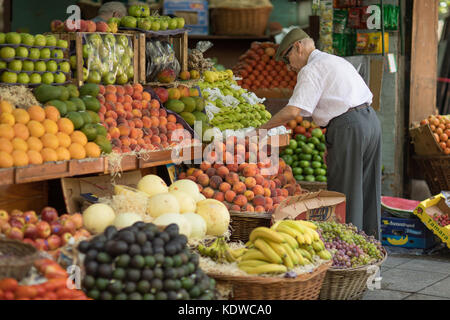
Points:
(327, 87)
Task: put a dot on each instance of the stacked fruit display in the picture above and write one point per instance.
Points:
(260, 70)
(45, 232)
(350, 248)
(54, 288)
(143, 262)
(440, 126)
(134, 119)
(139, 18)
(81, 107)
(58, 26)
(442, 219)
(306, 156)
(107, 59)
(26, 59)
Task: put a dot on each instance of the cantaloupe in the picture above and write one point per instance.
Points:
(198, 225)
(152, 185)
(98, 217)
(187, 186)
(160, 204)
(174, 218)
(216, 216)
(187, 204)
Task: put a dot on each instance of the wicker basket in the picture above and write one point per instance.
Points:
(347, 284)
(304, 287)
(16, 258)
(436, 170)
(240, 21)
(243, 223)
(313, 186)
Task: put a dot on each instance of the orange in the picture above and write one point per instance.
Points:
(50, 141)
(20, 158)
(20, 144)
(63, 154)
(6, 131)
(7, 118)
(35, 157)
(34, 144)
(50, 126)
(21, 131)
(36, 128)
(6, 145)
(52, 113)
(77, 151)
(6, 160)
(64, 139)
(79, 137)
(49, 155)
(36, 113)
(66, 126)
(92, 150)
(6, 106)
(21, 116)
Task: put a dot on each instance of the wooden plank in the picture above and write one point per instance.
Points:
(423, 59)
(142, 58)
(46, 171)
(86, 166)
(136, 58)
(79, 55)
(7, 176)
(29, 196)
(184, 52)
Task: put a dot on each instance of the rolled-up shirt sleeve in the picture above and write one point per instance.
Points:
(306, 93)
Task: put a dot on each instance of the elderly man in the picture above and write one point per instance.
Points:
(113, 9)
(330, 90)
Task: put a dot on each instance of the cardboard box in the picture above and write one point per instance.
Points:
(427, 209)
(405, 232)
(194, 12)
(424, 142)
(98, 186)
(318, 206)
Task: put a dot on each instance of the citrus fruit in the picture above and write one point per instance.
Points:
(19, 144)
(36, 128)
(66, 126)
(21, 131)
(34, 157)
(317, 133)
(34, 144)
(6, 145)
(63, 154)
(92, 150)
(50, 141)
(36, 113)
(21, 116)
(20, 158)
(50, 126)
(64, 139)
(6, 106)
(77, 151)
(49, 155)
(52, 113)
(7, 118)
(6, 160)
(6, 131)
(79, 137)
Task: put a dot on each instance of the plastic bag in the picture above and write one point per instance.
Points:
(160, 56)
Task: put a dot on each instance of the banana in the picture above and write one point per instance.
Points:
(237, 253)
(305, 253)
(325, 255)
(252, 263)
(249, 244)
(307, 224)
(293, 224)
(229, 256)
(289, 239)
(275, 225)
(278, 248)
(308, 239)
(266, 268)
(254, 254)
(267, 250)
(311, 251)
(314, 234)
(267, 234)
(318, 245)
(287, 261)
(301, 260)
(290, 252)
(292, 232)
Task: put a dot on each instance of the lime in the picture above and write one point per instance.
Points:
(289, 151)
(311, 145)
(304, 164)
(295, 164)
(317, 158)
(321, 147)
(307, 149)
(307, 157)
(299, 178)
(316, 164)
(315, 152)
(317, 133)
(308, 171)
(297, 171)
(321, 178)
(293, 144)
(298, 150)
(295, 157)
(315, 141)
(320, 172)
(288, 159)
(301, 144)
(300, 138)
(324, 166)
(310, 178)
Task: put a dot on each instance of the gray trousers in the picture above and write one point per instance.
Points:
(354, 166)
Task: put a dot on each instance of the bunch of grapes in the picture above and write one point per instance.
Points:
(350, 248)
(442, 219)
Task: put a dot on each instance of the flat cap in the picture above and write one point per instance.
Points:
(294, 35)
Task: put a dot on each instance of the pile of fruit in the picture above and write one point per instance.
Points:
(350, 248)
(139, 18)
(305, 153)
(143, 262)
(442, 219)
(46, 232)
(260, 70)
(54, 288)
(58, 26)
(27, 59)
(440, 126)
(134, 119)
(107, 59)
(81, 107)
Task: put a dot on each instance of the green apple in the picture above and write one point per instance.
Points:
(13, 38)
(28, 65)
(123, 40)
(48, 78)
(40, 66)
(156, 25)
(114, 20)
(51, 41)
(129, 51)
(34, 54)
(40, 40)
(119, 50)
(52, 66)
(59, 77)
(7, 53)
(45, 53)
(135, 11)
(95, 40)
(85, 74)
(22, 52)
(27, 39)
(9, 77)
(62, 44)
(130, 72)
(73, 62)
(103, 51)
(64, 67)
(2, 38)
(57, 54)
(180, 22)
(173, 24)
(104, 69)
(94, 77)
(164, 24)
(88, 51)
(23, 78)
(3, 65)
(128, 22)
(144, 24)
(109, 78)
(35, 78)
(15, 65)
(122, 79)
(145, 11)
(110, 40)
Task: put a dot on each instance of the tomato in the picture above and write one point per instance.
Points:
(26, 292)
(40, 289)
(8, 284)
(9, 295)
(50, 296)
(55, 284)
(64, 293)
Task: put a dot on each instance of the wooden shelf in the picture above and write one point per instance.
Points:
(219, 37)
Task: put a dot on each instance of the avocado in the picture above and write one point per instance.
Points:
(115, 287)
(134, 250)
(73, 91)
(135, 296)
(133, 275)
(101, 130)
(91, 103)
(175, 105)
(94, 116)
(89, 89)
(65, 95)
(188, 117)
(199, 104)
(71, 106)
(103, 257)
(141, 238)
(105, 270)
(88, 282)
(101, 283)
(120, 247)
(200, 116)
(79, 103)
(46, 92)
(121, 297)
(76, 119)
(90, 132)
(129, 287)
(189, 104)
(119, 274)
(106, 296)
(147, 274)
(143, 286)
(94, 294)
(58, 104)
(137, 262)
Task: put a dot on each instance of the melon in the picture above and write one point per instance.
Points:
(174, 218)
(124, 220)
(216, 216)
(120, 190)
(160, 204)
(187, 204)
(98, 217)
(187, 186)
(152, 185)
(198, 225)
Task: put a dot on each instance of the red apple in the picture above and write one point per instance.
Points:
(68, 226)
(49, 214)
(54, 242)
(81, 234)
(41, 244)
(29, 241)
(16, 213)
(63, 218)
(6, 227)
(17, 222)
(31, 231)
(56, 228)
(66, 238)
(57, 26)
(15, 233)
(4, 215)
(30, 217)
(44, 230)
(77, 219)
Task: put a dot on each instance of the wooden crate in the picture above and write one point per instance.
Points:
(77, 38)
(424, 142)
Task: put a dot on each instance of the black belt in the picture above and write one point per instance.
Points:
(361, 107)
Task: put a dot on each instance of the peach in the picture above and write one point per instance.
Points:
(266, 184)
(232, 178)
(208, 192)
(259, 179)
(250, 170)
(235, 208)
(269, 201)
(230, 195)
(190, 177)
(114, 132)
(224, 187)
(197, 172)
(277, 183)
(215, 182)
(240, 201)
(200, 188)
(268, 208)
(248, 208)
(249, 195)
(219, 196)
(259, 201)
(190, 171)
(242, 166)
(203, 180)
(156, 139)
(134, 133)
(205, 165)
(273, 192)
(182, 176)
(116, 142)
(233, 167)
(250, 182)
(163, 113)
(120, 98)
(125, 141)
(267, 192)
(155, 104)
(211, 172)
(284, 193)
(239, 187)
(260, 209)
(258, 190)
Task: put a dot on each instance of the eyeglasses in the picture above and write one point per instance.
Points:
(285, 58)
